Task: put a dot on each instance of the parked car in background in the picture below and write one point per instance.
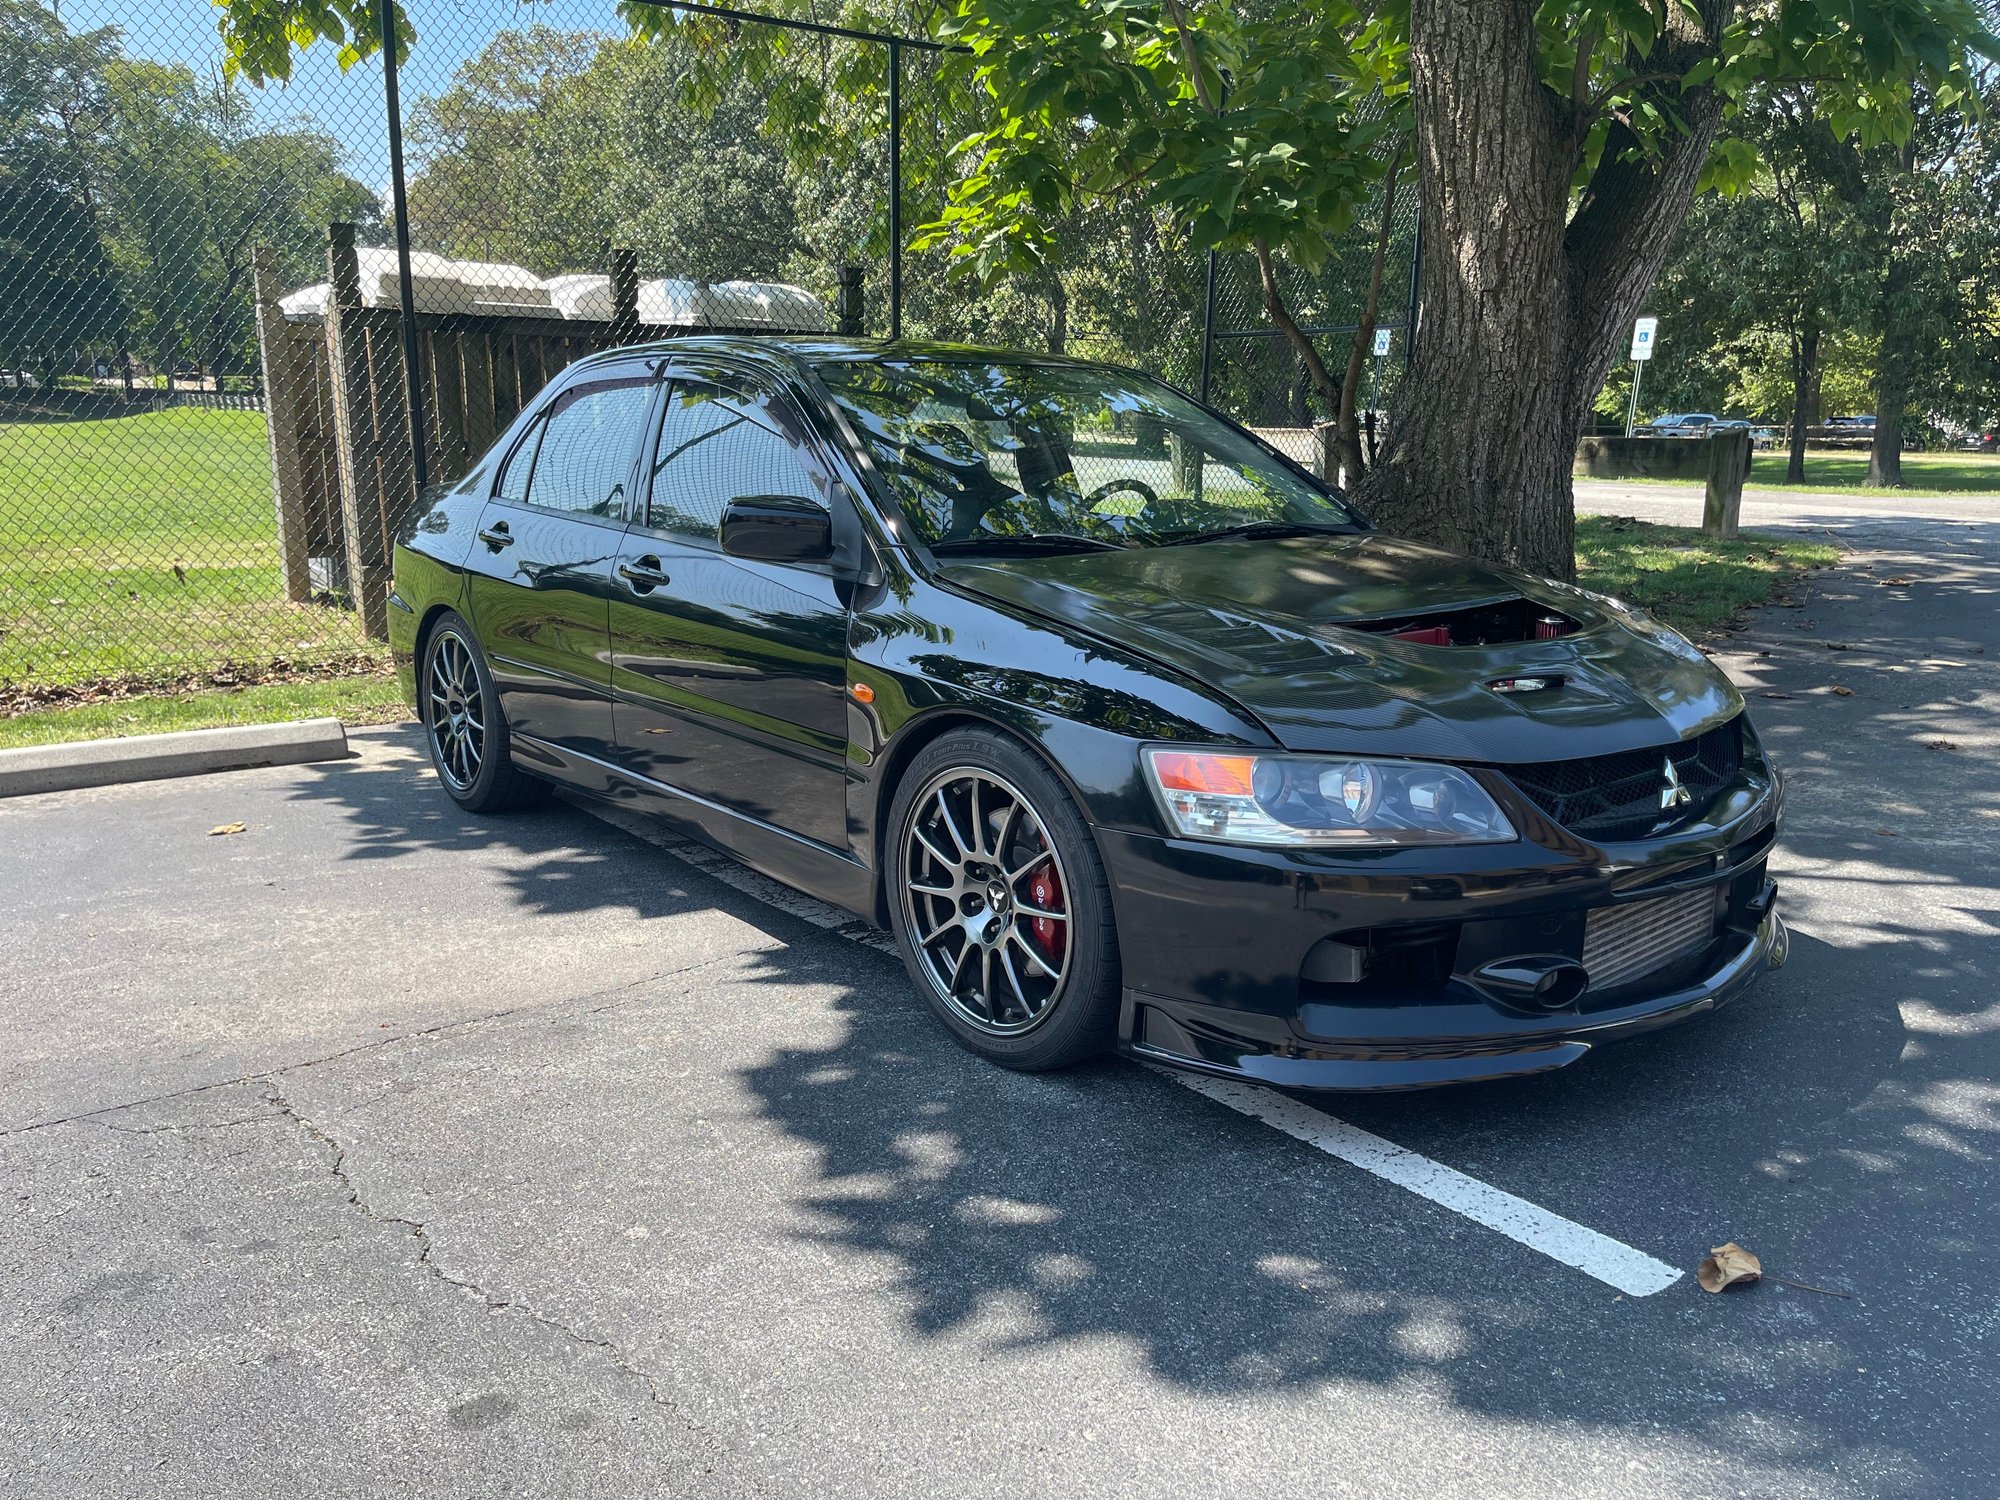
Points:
(1760, 436)
(1865, 422)
(1178, 756)
(1680, 424)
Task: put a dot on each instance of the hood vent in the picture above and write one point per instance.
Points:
(1495, 623)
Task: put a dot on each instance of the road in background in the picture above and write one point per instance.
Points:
(1679, 505)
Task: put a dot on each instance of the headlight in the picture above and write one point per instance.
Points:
(1325, 801)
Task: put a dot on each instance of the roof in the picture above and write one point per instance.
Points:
(820, 349)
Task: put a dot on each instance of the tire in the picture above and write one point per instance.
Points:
(463, 727)
(1028, 986)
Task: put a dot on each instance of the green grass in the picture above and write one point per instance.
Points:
(1689, 581)
(373, 699)
(1927, 474)
(146, 545)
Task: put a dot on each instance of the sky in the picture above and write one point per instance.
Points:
(346, 106)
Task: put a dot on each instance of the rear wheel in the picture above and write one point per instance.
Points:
(1000, 904)
(463, 725)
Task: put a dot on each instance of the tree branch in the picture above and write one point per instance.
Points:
(1281, 317)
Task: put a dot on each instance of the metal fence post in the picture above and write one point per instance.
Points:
(413, 375)
(895, 190)
(1208, 330)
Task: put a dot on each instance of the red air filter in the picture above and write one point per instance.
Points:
(1550, 626)
(1425, 635)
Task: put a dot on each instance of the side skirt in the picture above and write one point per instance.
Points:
(802, 863)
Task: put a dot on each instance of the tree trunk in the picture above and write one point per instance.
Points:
(1524, 304)
(1805, 382)
(1892, 376)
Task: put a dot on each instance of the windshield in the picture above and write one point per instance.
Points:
(984, 455)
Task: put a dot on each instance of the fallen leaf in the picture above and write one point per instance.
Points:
(1894, 583)
(1835, 645)
(1939, 745)
(1843, 692)
(1887, 833)
(1726, 1266)
(225, 828)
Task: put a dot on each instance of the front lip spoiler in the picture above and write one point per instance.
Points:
(1384, 1067)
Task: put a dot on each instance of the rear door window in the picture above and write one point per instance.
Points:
(578, 460)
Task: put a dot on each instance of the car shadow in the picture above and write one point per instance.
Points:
(1017, 1211)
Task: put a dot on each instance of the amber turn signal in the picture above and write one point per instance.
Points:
(862, 692)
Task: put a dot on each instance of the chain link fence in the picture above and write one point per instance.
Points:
(205, 443)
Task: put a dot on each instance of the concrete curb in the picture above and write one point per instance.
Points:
(151, 757)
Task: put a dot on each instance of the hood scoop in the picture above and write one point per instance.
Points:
(1497, 622)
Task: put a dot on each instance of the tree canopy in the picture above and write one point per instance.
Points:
(1557, 147)
(133, 192)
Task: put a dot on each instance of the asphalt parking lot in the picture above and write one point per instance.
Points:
(380, 1150)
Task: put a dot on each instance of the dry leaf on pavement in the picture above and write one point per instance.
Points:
(1843, 692)
(225, 828)
(1728, 1265)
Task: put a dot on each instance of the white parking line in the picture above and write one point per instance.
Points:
(1612, 1262)
(1631, 1271)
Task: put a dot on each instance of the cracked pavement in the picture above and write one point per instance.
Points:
(379, 1150)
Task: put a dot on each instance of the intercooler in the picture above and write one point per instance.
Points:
(1625, 943)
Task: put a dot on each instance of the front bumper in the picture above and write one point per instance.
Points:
(1219, 982)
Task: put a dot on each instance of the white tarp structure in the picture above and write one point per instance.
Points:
(442, 285)
(670, 302)
(438, 284)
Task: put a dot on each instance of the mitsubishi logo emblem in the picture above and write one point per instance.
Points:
(1675, 792)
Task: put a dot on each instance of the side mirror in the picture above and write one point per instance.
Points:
(776, 528)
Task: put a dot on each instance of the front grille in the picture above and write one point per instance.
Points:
(1615, 797)
(1624, 943)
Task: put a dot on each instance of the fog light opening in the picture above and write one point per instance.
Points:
(1561, 988)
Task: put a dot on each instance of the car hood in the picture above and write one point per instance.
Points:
(1267, 623)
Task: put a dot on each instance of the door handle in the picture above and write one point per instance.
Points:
(497, 536)
(643, 574)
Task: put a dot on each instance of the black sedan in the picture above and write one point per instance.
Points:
(1135, 733)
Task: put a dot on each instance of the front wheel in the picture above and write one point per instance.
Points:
(1000, 904)
(463, 725)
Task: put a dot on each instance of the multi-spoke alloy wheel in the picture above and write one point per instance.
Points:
(457, 711)
(984, 890)
(469, 740)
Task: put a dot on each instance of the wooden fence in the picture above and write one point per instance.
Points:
(340, 431)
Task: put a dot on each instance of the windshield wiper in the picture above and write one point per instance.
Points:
(1065, 541)
(1254, 529)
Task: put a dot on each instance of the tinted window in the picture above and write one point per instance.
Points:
(513, 483)
(583, 455)
(976, 450)
(716, 446)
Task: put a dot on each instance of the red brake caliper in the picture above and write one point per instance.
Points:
(1045, 890)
